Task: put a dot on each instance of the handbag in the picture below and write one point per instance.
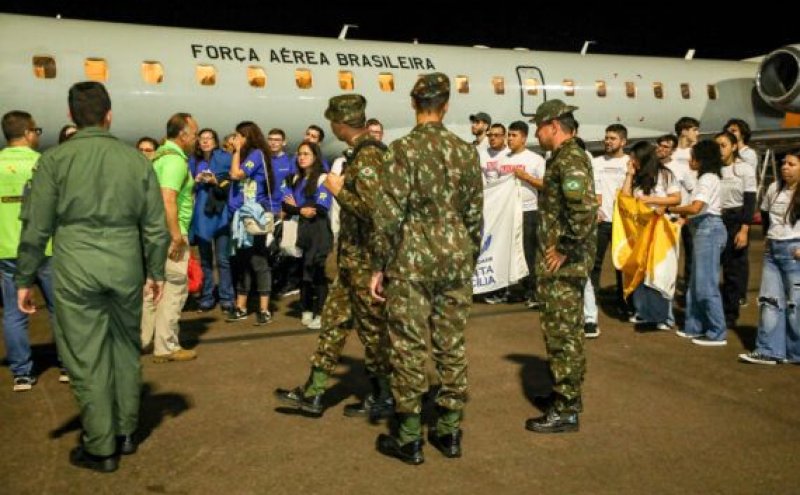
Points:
(195, 273)
(289, 238)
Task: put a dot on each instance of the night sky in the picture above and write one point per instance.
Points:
(650, 29)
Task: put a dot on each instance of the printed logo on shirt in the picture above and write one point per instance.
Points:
(249, 164)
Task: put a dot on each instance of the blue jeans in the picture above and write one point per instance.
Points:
(221, 247)
(779, 302)
(15, 322)
(704, 315)
(651, 306)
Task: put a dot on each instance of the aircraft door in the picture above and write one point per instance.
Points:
(531, 89)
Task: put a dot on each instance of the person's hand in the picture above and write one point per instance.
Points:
(376, 287)
(25, 301)
(308, 211)
(334, 183)
(631, 170)
(176, 248)
(519, 173)
(553, 259)
(238, 142)
(289, 200)
(661, 210)
(797, 254)
(740, 241)
(154, 288)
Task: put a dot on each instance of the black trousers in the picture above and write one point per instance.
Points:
(735, 268)
(253, 261)
(603, 240)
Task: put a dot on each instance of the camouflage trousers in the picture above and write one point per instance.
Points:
(349, 304)
(562, 326)
(413, 309)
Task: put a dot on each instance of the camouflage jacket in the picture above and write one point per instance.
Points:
(568, 209)
(356, 200)
(429, 214)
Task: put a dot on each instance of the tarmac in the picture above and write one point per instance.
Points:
(660, 416)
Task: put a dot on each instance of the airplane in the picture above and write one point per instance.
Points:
(281, 81)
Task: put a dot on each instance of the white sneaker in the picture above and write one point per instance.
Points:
(757, 358)
(664, 326)
(316, 323)
(306, 318)
(684, 335)
(705, 341)
(635, 319)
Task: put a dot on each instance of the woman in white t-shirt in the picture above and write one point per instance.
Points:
(738, 201)
(655, 185)
(778, 338)
(705, 321)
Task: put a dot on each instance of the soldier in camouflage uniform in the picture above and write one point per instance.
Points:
(349, 301)
(568, 211)
(427, 222)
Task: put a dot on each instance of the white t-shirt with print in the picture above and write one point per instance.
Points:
(665, 185)
(707, 190)
(532, 164)
(776, 203)
(612, 173)
(490, 162)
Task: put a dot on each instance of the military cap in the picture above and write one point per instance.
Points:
(347, 109)
(482, 116)
(552, 109)
(431, 86)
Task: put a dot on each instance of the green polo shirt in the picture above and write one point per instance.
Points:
(172, 169)
(16, 168)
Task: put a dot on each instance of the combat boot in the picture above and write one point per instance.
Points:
(449, 445)
(307, 398)
(554, 422)
(379, 404)
(410, 453)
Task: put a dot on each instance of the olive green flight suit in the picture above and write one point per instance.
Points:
(100, 201)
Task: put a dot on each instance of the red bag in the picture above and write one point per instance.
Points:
(195, 274)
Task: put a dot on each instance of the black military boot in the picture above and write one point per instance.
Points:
(379, 404)
(410, 453)
(79, 457)
(449, 445)
(296, 398)
(126, 444)
(554, 422)
(546, 402)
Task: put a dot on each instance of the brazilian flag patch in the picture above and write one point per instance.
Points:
(573, 185)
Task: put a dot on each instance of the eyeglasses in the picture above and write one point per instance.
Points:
(36, 130)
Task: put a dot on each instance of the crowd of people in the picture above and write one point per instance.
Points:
(404, 223)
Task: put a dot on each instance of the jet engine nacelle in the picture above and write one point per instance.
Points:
(778, 79)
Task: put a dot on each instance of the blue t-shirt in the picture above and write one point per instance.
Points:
(253, 185)
(321, 196)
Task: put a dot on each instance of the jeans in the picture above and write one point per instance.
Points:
(704, 315)
(220, 246)
(651, 306)
(15, 322)
(779, 299)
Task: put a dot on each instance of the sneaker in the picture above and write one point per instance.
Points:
(292, 292)
(263, 317)
(664, 326)
(24, 383)
(591, 330)
(743, 303)
(179, 355)
(636, 320)
(316, 323)
(63, 376)
(532, 303)
(236, 314)
(203, 308)
(684, 335)
(306, 318)
(705, 341)
(497, 299)
(756, 357)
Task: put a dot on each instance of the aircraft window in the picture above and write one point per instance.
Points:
(569, 87)
(44, 67)
(205, 74)
(256, 76)
(532, 87)
(712, 91)
(686, 91)
(346, 80)
(600, 87)
(462, 84)
(386, 81)
(96, 69)
(658, 90)
(499, 85)
(303, 78)
(630, 89)
(152, 72)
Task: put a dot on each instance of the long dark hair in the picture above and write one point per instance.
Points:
(793, 211)
(256, 141)
(650, 167)
(316, 170)
(707, 153)
(731, 137)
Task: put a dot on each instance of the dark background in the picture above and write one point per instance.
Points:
(643, 28)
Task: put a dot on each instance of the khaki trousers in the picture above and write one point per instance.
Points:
(160, 323)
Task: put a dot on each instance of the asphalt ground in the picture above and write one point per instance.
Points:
(661, 416)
